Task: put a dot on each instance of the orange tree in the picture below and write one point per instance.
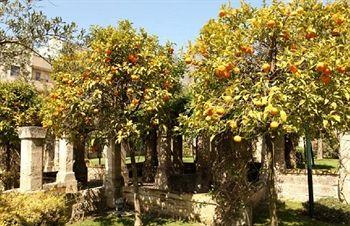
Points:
(270, 71)
(122, 75)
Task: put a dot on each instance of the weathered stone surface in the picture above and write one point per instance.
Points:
(31, 170)
(88, 201)
(65, 175)
(344, 171)
(295, 186)
(56, 159)
(197, 207)
(113, 182)
(31, 132)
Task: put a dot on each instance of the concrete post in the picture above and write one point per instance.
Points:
(32, 146)
(65, 175)
(344, 171)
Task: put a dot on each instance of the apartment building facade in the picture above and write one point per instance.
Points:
(39, 73)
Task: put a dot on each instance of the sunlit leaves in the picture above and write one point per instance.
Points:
(292, 57)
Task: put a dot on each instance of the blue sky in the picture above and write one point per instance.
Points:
(174, 20)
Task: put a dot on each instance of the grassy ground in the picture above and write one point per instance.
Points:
(326, 164)
(141, 158)
(112, 220)
(290, 213)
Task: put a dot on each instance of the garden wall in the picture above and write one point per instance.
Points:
(197, 207)
(293, 185)
(96, 173)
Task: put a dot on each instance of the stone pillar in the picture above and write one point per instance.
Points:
(280, 153)
(56, 160)
(344, 170)
(65, 175)
(32, 146)
(320, 148)
(124, 168)
(49, 157)
(260, 145)
(113, 180)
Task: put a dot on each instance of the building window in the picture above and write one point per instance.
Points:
(37, 76)
(14, 70)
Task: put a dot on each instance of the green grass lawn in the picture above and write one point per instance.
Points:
(326, 164)
(290, 213)
(112, 220)
(140, 158)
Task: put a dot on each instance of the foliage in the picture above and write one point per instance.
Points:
(19, 106)
(122, 75)
(42, 208)
(26, 30)
(282, 68)
(331, 210)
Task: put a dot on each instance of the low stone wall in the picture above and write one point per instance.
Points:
(87, 201)
(294, 185)
(198, 207)
(96, 173)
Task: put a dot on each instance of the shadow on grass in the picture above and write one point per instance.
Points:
(289, 213)
(111, 219)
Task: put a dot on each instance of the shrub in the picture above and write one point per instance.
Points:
(43, 208)
(331, 210)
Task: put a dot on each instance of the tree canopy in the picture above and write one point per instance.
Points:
(283, 67)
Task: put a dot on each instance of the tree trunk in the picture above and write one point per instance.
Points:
(271, 186)
(177, 154)
(291, 142)
(165, 169)
(8, 162)
(203, 169)
(151, 159)
(320, 148)
(79, 166)
(137, 203)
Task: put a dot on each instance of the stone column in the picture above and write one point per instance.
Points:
(344, 171)
(56, 160)
(32, 146)
(124, 168)
(113, 179)
(49, 156)
(260, 145)
(65, 175)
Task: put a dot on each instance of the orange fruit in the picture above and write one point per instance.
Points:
(325, 79)
(266, 67)
(320, 67)
(132, 59)
(271, 24)
(222, 13)
(293, 68)
(341, 69)
(237, 139)
(274, 125)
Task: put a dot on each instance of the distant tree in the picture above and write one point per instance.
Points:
(19, 106)
(25, 30)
